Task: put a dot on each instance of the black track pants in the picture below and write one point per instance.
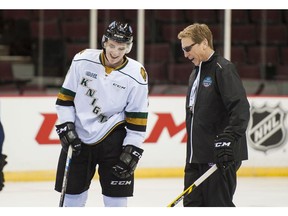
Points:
(216, 191)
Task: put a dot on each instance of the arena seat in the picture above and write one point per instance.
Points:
(76, 15)
(107, 16)
(54, 57)
(284, 55)
(254, 55)
(169, 16)
(73, 48)
(240, 17)
(16, 14)
(157, 52)
(201, 16)
(238, 55)
(275, 34)
(51, 29)
(218, 33)
(271, 16)
(48, 15)
(243, 34)
(169, 32)
(281, 72)
(249, 71)
(157, 73)
(7, 78)
(76, 31)
(179, 73)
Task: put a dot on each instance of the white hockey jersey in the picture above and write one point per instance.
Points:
(97, 98)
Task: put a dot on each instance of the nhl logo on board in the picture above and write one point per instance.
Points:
(266, 129)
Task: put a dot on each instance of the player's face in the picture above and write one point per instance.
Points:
(115, 53)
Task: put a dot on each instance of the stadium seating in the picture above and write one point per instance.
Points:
(249, 71)
(179, 73)
(51, 29)
(169, 16)
(253, 32)
(76, 31)
(16, 14)
(76, 15)
(265, 16)
(284, 55)
(157, 73)
(238, 55)
(7, 79)
(169, 32)
(281, 73)
(240, 17)
(271, 55)
(73, 48)
(159, 52)
(272, 34)
(201, 16)
(243, 35)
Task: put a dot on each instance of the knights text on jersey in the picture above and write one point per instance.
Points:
(97, 98)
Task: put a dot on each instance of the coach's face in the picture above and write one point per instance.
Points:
(196, 52)
(114, 53)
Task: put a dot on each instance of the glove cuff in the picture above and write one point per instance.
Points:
(133, 150)
(60, 128)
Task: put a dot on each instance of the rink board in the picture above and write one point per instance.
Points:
(32, 145)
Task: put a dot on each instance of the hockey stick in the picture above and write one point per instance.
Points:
(194, 185)
(65, 178)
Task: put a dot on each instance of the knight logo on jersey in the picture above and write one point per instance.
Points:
(143, 74)
(266, 128)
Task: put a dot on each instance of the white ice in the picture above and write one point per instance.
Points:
(158, 192)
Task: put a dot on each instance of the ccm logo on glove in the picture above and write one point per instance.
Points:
(222, 144)
(137, 154)
(68, 136)
(128, 161)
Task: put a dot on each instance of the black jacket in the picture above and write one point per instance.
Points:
(221, 106)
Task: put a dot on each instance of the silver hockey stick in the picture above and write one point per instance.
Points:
(65, 178)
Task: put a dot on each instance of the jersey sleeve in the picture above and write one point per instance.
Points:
(65, 99)
(136, 112)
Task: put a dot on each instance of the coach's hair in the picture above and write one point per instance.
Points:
(197, 32)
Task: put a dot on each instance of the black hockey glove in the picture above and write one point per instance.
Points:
(223, 151)
(3, 162)
(127, 162)
(68, 136)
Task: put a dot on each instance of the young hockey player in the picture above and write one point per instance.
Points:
(102, 109)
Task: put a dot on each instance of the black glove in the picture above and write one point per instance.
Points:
(68, 136)
(127, 162)
(3, 162)
(223, 150)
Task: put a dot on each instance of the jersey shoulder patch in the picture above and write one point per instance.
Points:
(143, 74)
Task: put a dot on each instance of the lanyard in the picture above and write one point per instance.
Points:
(194, 89)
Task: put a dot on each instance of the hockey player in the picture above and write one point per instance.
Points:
(102, 109)
(3, 157)
(217, 115)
